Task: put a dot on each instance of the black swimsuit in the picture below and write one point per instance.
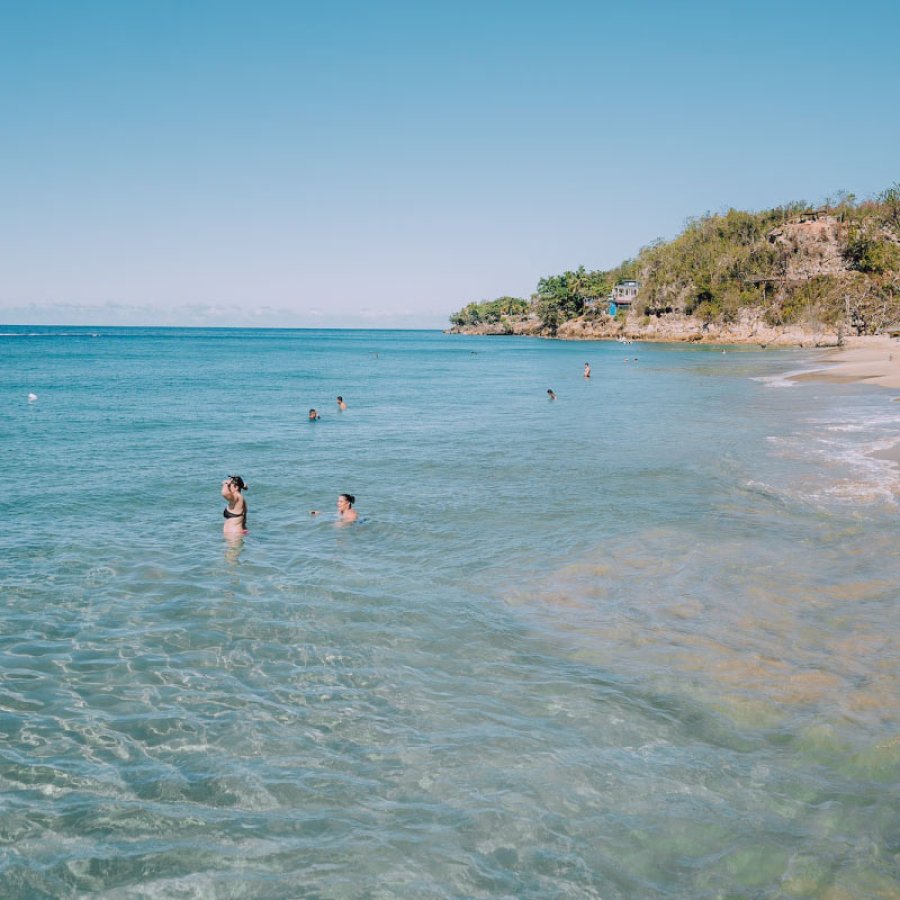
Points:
(241, 515)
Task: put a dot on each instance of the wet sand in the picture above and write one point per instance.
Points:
(892, 454)
(875, 360)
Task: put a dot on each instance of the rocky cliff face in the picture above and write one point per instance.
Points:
(530, 325)
(750, 328)
(811, 248)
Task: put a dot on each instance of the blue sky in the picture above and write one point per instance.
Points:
(382, 164)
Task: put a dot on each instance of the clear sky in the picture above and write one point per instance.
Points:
(382, 164)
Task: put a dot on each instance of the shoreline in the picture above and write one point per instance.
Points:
(873, 359)
(890, 454)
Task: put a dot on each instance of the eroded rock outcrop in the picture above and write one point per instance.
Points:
(749, 328)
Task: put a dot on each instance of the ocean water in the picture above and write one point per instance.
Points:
(637, 642)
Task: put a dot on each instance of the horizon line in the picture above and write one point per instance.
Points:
(224, 327)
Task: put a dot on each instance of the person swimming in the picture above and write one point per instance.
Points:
(587, 370)
(551, 394)
(345, 509)
(346, 512)
(341, 405)
(235, 513)
(314, 416)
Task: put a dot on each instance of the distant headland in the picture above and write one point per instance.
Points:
(794, 275)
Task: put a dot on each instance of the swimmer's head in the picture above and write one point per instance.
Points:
(346, 501)
(236, 481)
(340, 399)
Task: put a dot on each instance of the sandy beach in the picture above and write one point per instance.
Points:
(875, 360)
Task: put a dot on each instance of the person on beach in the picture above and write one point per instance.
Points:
(346, 512)
(587, 370)
(550, 394)
(341, 405)
(235, 512)
(314, 416)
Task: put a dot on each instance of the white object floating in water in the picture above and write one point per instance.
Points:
(32, 398)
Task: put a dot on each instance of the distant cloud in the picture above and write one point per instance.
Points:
(208, 315)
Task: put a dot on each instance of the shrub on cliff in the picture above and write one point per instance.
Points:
(490, 311)
(871, 254)
(840, 263)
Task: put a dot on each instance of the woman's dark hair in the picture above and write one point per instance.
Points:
(238, 482)
(340, 398)
(349, 498)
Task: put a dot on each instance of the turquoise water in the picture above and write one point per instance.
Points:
(637, 642)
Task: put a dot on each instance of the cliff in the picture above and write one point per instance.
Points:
(784, 276)
(751, 328)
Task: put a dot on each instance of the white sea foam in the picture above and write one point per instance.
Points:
(784, 380)
(47, 334)
(842, 445)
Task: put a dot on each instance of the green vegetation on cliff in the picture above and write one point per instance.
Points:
(490, 311)
(835, 265)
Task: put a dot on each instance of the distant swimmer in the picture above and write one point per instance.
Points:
(235, 512)
(346, 512)
(32, 398)
(587, 370)
(551, 394)
(341, 405)
(314, 416)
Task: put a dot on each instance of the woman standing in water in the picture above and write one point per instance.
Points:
(235, 511)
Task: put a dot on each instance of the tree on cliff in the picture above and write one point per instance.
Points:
(489, 311)
(562, 297)
(837, 263)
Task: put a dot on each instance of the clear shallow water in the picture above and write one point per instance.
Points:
(637, 642)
